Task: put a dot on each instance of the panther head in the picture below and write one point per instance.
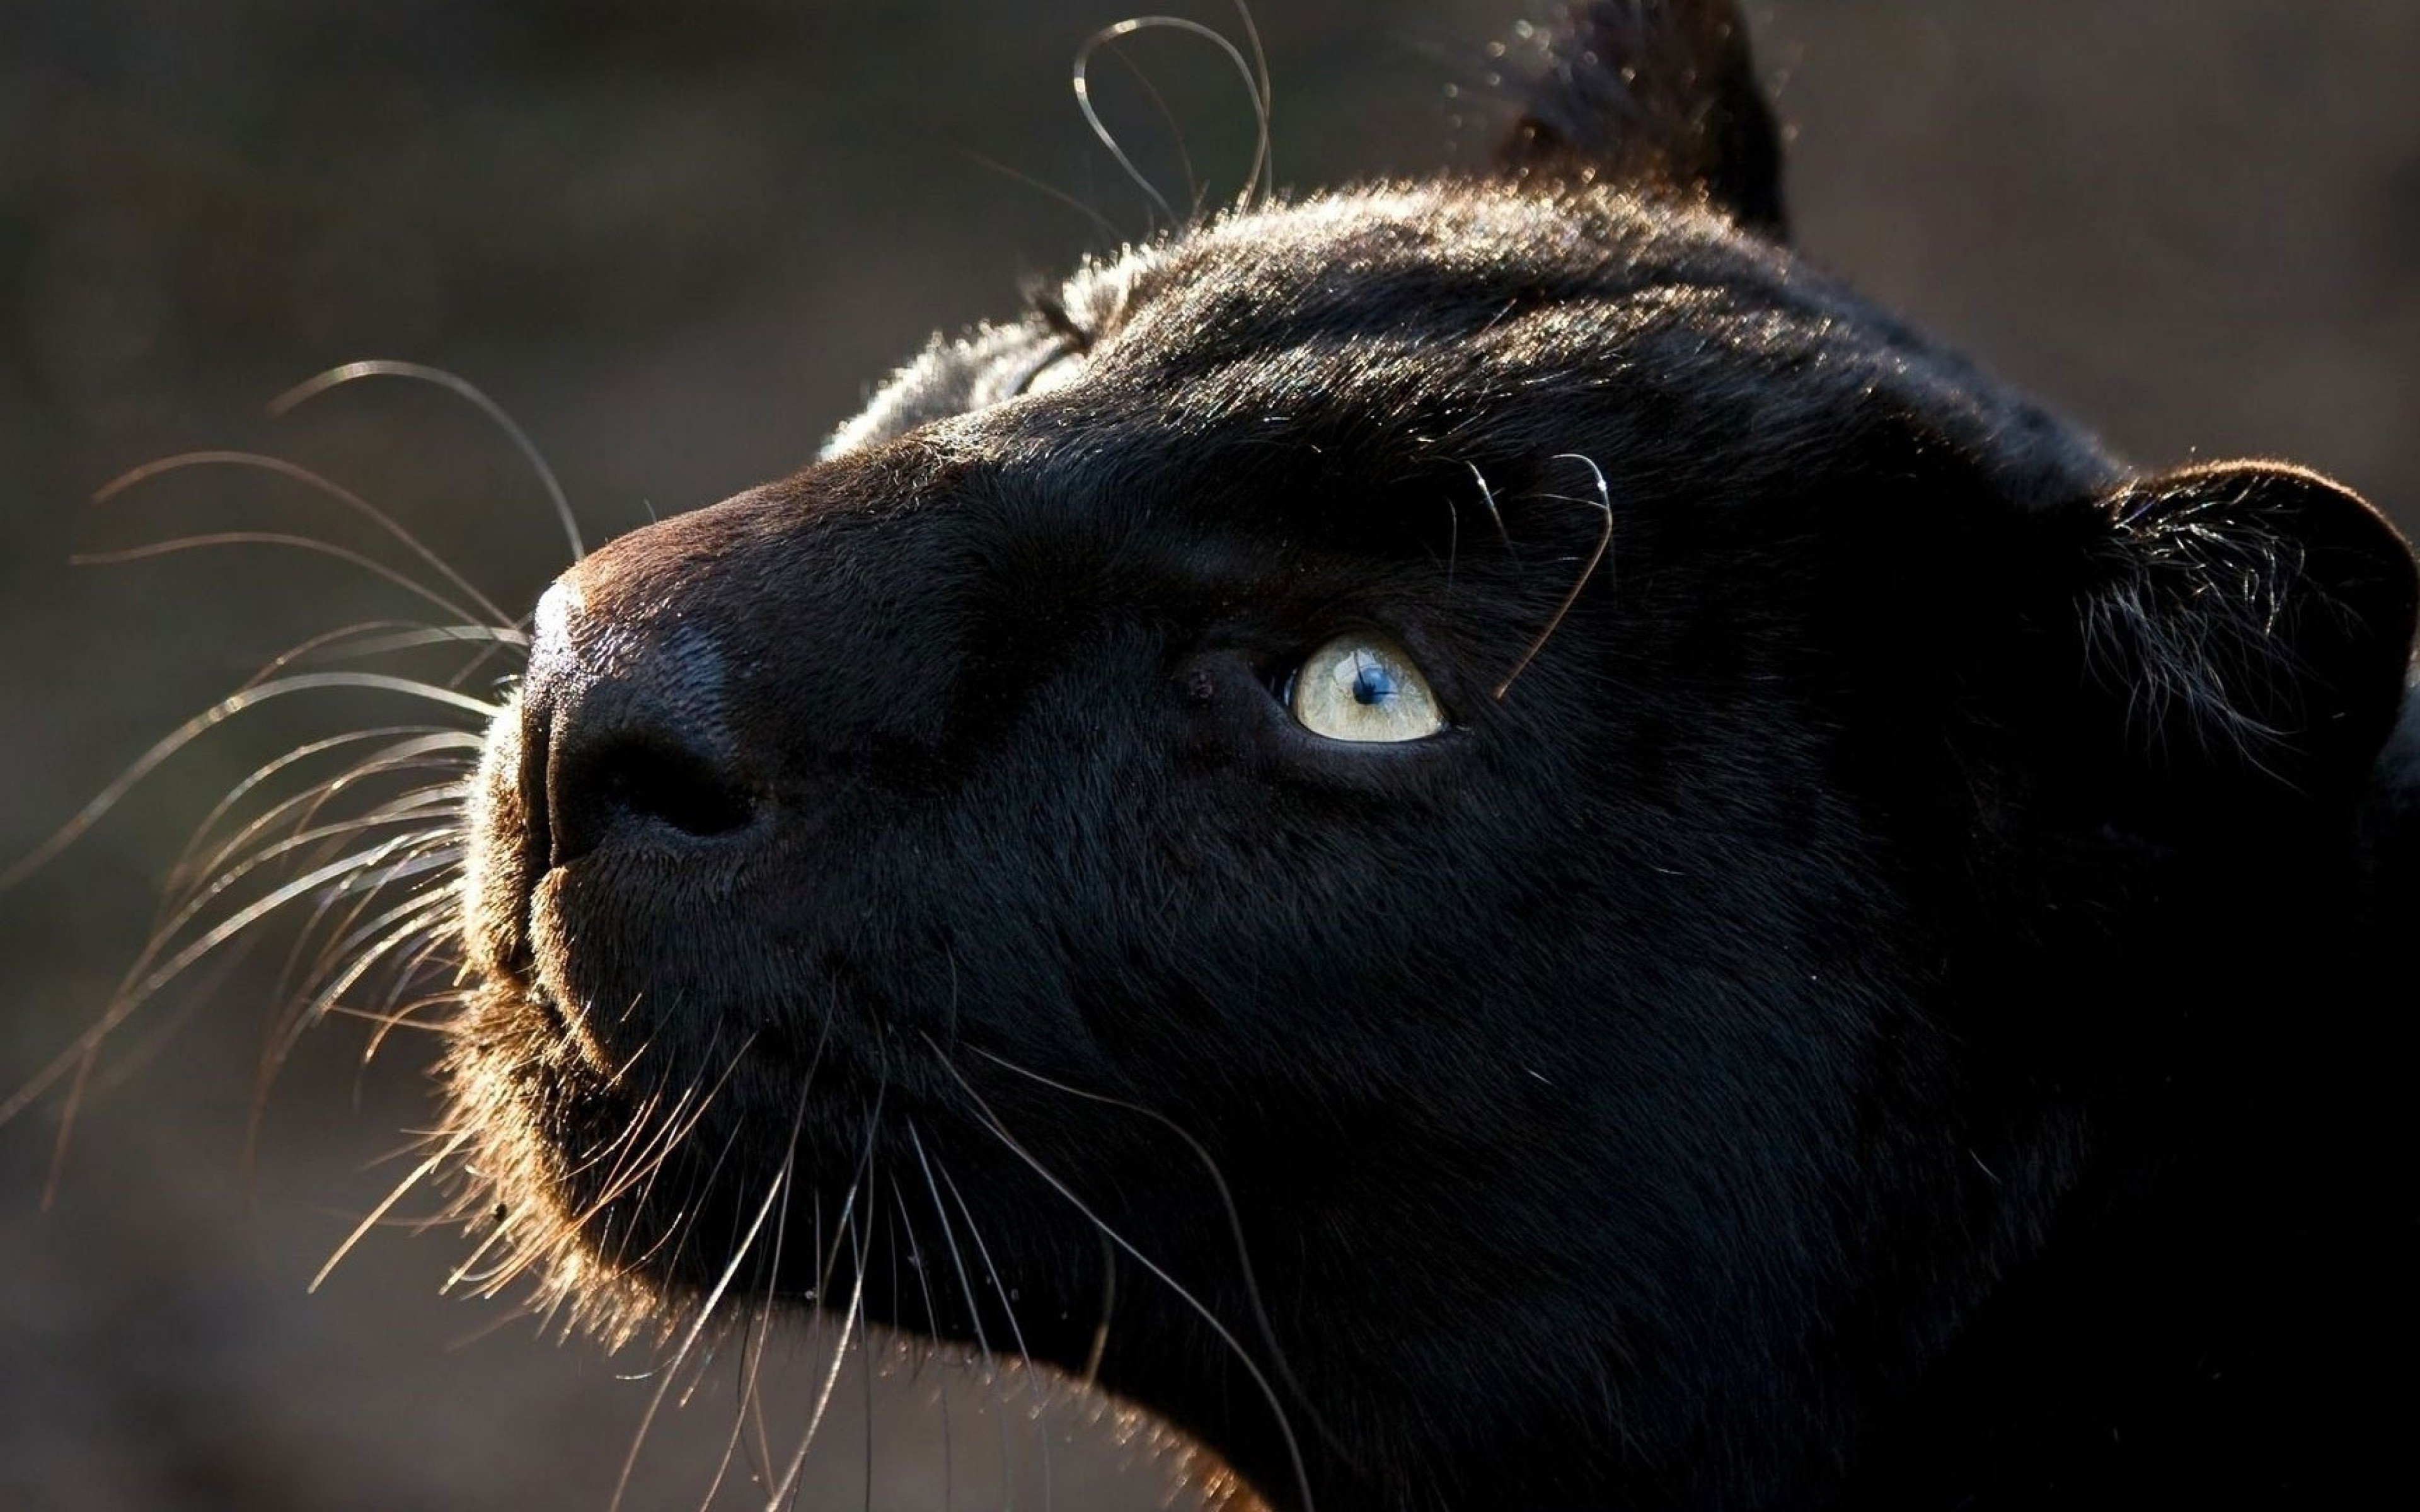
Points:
(1480, 838)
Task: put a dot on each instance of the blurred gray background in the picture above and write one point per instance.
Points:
(677, 241)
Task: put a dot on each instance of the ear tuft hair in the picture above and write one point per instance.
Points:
(2255, 616)
(1659, 94)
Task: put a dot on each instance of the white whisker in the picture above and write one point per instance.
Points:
(1226, 1336)
(312, 388)
(131, 999)
(185, 863)
(327, 489)
(218, 714)
(419, 1173)
(277, 538)
(689, 1340)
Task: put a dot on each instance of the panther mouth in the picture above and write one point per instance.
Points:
(621, 1088)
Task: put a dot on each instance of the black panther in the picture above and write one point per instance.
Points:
(1490, 845)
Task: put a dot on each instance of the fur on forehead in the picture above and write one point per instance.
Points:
(1403, 306)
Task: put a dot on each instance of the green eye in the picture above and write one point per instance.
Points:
(1365, 689)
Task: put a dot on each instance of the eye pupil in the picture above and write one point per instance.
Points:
(1371, 683)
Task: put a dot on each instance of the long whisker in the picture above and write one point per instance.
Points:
(966, 1285)
(1226, 1336)
(305, 648)
(66, 1123)
(311, 388)
(434, 823)
(921, 1259)
(186, 860)
(1007, 1307)
(437, 635)
(425, 916)
(437, 814)
(209, 718)
(638, 1166)
(132, 999)
(442, 941)
(437, 927)
(280, 538)
(326, 488)
(407, 635)
(439, 802)
(390, 930)
(750, 1406)
(130, 1059)
(419, 1173)
(689, 1340)
(788, 1483)
(1227, 1205)
(859, 1243)
(675, 1241)
(958, 1257)
(848, 1220)
(219, 883)
(401, 1016)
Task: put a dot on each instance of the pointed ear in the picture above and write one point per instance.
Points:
(2249, 620)
(1657, 94)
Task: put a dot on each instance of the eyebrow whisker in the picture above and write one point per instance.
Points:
(1596, 557)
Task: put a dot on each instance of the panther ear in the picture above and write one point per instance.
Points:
(2247, 620)
(1661, 94)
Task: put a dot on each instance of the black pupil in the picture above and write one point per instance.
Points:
(1371, 683)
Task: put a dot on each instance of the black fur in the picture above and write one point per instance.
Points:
(1880, 1014)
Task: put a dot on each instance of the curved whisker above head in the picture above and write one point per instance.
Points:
(1175, 130)
(1259, 177)
(1603, 501)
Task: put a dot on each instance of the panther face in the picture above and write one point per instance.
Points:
(1461, 835)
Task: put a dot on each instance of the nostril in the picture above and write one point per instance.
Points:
(656, 781)
(636, 780)
(624, 733)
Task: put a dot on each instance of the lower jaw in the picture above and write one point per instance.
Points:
(617, 1206)
(577, 1195)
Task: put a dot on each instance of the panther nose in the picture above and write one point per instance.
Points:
(623, 735)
